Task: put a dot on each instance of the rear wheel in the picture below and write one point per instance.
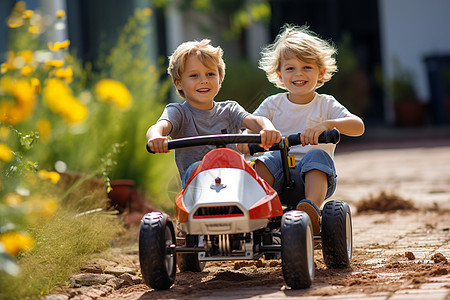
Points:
(337, 244)
(158, 263)
(297, 249)
(190, 261)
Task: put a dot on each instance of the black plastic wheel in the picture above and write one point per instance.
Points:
(190, 261)
(337, 243)
(158, 265)
(297, 249)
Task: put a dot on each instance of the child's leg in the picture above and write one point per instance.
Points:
(188, 173)
(269, 167)
(316, 185)
(319, 175)
(264, 172)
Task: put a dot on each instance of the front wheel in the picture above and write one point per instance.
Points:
(337, 244)
(297, 249)
(158, 263)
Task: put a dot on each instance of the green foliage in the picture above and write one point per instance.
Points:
(254, 86)
(63, 244)
(128, 63)
(350, 85)
(51, 222)
(66, 223)
(237, 13)
(80, 146)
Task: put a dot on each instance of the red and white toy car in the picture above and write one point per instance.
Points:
(227, 212)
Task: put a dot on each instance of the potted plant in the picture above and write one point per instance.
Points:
(409, 110)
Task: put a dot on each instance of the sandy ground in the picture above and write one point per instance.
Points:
(398, 254)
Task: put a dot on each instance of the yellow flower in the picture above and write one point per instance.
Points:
(27, 14)
(14, 21)
(20, 6)
(34, 30)
(14, 112)
(27, 55)
(58, 97)
(147, 12)
(64, 73)
(49, 207)
(58, 45)
(15, 242)
(9, 64)
(64, 44)
(54, 63)
(39, 207)
(4, 68)
(76, 112)
(26, 71)
(13, 200)
(4, 132)
(109, 90)
(52, 176)
(36, 84)
(6, 154)
(60, 14)
(45, 128)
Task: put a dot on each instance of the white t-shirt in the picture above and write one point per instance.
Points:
(290, 118)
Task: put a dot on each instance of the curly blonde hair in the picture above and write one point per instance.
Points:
(205, 52)
(303, 44)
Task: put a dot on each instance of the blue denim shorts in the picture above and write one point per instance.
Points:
(315, 159)
(188, 173)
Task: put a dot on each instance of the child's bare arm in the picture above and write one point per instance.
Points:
(350, 125)
(157, 136)
(263, 126)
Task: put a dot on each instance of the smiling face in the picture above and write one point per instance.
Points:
(200, 83)
(300, 79)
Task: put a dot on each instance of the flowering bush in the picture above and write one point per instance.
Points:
(57, 117)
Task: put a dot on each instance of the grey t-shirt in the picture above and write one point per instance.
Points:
(224, 118)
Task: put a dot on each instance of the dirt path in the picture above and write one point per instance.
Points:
(398, 254)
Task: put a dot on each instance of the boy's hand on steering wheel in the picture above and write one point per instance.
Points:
(310, 136)
(269, 137)
(158, 144)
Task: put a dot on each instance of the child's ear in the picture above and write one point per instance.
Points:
(322, 73)
(279, 74)
(177, 84)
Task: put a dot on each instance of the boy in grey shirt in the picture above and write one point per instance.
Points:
(197, 70)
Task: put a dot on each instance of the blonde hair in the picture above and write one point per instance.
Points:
(303, 44)
(203, 50)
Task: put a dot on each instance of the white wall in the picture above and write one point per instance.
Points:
(410, 30)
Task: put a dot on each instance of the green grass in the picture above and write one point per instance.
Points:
(63, 244)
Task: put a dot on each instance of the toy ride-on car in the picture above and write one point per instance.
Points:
(227, 212)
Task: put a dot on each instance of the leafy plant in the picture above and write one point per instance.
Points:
(61, 127)
(350, 85)
(243, 73)
(236, 15)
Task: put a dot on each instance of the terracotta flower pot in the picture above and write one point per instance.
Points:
(410, 113)
(121, 193)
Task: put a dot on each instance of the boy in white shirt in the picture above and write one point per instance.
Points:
(300, 62)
